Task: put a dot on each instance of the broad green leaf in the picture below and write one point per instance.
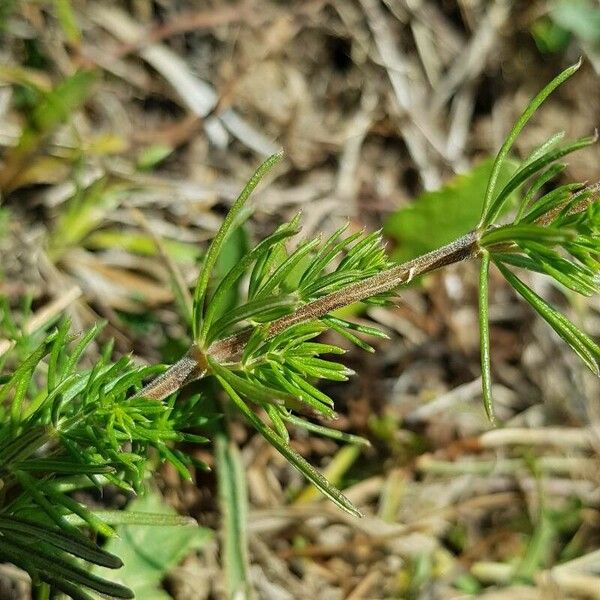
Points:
(436, 218)
(150, 552)
(549, 37)
(581, 17)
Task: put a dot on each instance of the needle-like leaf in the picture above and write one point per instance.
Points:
(218, 241)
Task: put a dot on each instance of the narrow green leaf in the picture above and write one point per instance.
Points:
(258, 309)
(49, 465)
(293, 457)
(334, 434)
(540, 181)
(527, 170)
(484, 336)
(224, 287)
(134, 517)
(67, 20)
(520, 233)
(545, 146)
(286, 267)
(82, 343)
(275, 415)
(57, 349)
(95, 524)
(77, 545)
(326, 253)
(31, 485)
(307, 393)
(366, 329)
(343, 331)
(551, 200)
(256, 393)
(48, 563)
(265, 262)
(319, 370)
(218, 241)
(514, 133)
(582, 345)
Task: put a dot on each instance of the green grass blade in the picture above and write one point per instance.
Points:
(233, 500)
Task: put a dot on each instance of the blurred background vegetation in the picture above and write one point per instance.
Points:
(127, 128)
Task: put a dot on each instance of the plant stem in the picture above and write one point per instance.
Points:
(194, 365)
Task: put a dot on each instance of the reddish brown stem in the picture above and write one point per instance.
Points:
(193, 365)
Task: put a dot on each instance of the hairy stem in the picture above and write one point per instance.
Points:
(193, 365)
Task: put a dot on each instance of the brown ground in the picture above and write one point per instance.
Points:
(373, 102)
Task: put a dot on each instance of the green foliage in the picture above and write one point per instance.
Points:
(67, 20)
(65, 424)
(549, 36)
(151, 156)
(580, 17)
(7, 8)
(492, 204)
(277, 373)
(149, 552)
(555, 233)
(212, 254)
(437, 217)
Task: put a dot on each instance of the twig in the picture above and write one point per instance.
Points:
(471, 62)
(418, 129)
(193, 365)
(574, 437)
